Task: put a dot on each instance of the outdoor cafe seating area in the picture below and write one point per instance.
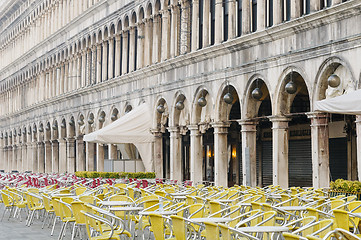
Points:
(163, 209)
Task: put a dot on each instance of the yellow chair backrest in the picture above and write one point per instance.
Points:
(341, 219)
(212, 231)
(157, 224)
(336, 203)
(196, 210)
(87, 199)
(179, 228)
(290, 236)
(80, 190)
(120, 198)
(77, 207)
(215, 207)
(224, 229)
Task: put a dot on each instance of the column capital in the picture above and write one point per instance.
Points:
(220, 127)
(70, 140)
(279, 122)
(248, 125)
(358, 119)
(156, 132)
(318, 118)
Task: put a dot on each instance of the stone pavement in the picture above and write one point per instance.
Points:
(16, 230)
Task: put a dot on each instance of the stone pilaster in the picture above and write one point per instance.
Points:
(70, 155)
(117, 55)
(41, 157)
(196, 157)
(175, 153)
(280, 139)
(132, 48)
(320, 149)
(80, 154)
(249, 161)
(140, 50)
(165, 34)
(100, 157)
(246, 17)
(62, 155)
(195, 25)
(89, 156)
(206, 23)
(48, 157)
(158, 153)
(174, 35)
(111, 58)
(55, 156)
(218, 28)
(125, 52)
(221, 154)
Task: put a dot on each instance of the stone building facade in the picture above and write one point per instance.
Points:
(231, 85)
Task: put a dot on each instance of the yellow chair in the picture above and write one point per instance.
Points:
(342, 220)
(211, 231)
(179, 227)
(80, 220)
(290, 236)
(35, 204)
(66, 214)
(93, 221)
(49, 209)
(88, 199)
(320, 228)
(8, 203)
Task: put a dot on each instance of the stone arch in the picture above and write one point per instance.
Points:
(55, 128)
(160, 119)
(283, 100)
(251, 105)
(111, 30)
(179, 117)
(126, 22)
(222, 109)
(140, 13)
(119, 26)
(202, 114)
(99, 36)
(149, 10)
(328, 67)
(101, 117)
(80, 124)
(113, 114)
(133, 19)
(71, 129)
(63, 128)
(47, 131)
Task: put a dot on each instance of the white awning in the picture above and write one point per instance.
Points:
(349, 103)
(134, 127)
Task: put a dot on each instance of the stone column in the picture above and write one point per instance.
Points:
(112, 151)
(59, 87)
(206, 23)
(131, 48)
(261, 15)
(70, 155)
(48, 157)
(34, 159)
(89, 64)
(315, 5)
(221, 154)
(70, 75)
(93, 65)
(140, 50)
(14, 160)
(165, 35)
(111, 58)
(195, 25)
(41, 157)
(78, 71)
(174, 35)
(80, 156)
(10, 158)
(175, 154)
(295, 9)
(24, 162)
(62, 155)
(100, 157)
(218, 26)
(196, 158)
(358, 145)
(105, 61)
(99, 63)
(89, 156)
(280, 138)
(2, 154)
(83, 68)
(125, 52)
(148, 41)
(6, 159)
(66, 76)
(246, 17)
(158, 153)
(185, 27)
(156, 38)
(55, 156)
(320, 149)
(249, 161)
(117, 55)
(232, 19)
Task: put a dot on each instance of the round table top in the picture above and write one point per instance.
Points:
(263, 229)
(211, 219)
(158, 212)
(292, 208)
(115, 203)
(126, 209)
